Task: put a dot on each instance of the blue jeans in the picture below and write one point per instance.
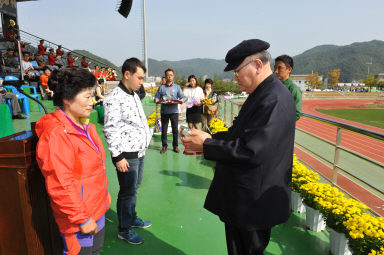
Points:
(126, 201)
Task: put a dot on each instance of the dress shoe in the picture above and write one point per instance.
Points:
(163, 150)
(175, 149)
(18, 116)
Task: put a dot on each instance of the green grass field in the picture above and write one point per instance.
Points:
(372, 117)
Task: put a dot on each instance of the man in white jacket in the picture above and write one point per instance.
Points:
(127, 134)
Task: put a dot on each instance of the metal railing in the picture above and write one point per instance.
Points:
(34, 40)
(223, 108)
(335, 163)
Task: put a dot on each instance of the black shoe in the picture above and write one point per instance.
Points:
(18, 116)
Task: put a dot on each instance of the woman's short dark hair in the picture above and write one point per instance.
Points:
(67, 83)
(208, 80)
(131, 65)
(100, 81)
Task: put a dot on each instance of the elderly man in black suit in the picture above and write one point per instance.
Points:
(250, 190)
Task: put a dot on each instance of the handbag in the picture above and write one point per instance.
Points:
(210, 109)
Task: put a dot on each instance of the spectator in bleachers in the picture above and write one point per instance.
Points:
(40, 63)
(163, 80)
(44, 78)
(103, 73)
(114, 75)
(16, 44)
(109, 74)
(99, 92)
(2, 65)
(14, 103)
(96, 72)
(51, 58)
(84, 63)
(70, 59)
(41, 48)
(16, 56)
(10, 64)
(59, 52)
(30, 73)
(11, 35)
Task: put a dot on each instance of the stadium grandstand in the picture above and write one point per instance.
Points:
(14, 42)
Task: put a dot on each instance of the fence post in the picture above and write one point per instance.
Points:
(337, 156)
(225, 111)
(231, 113)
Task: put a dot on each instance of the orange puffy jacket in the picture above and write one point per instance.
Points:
(74, 171)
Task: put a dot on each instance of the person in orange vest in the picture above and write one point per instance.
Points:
(96, 72)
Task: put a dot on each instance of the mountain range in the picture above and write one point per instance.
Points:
(351, 59)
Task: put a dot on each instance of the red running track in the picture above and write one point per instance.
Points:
(369, 147)
(366, 146)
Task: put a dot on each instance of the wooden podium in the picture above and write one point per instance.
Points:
(27, 225)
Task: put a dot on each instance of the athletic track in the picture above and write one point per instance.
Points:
(371, 148)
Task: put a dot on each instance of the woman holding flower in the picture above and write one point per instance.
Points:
(194, 95)
(210, 99)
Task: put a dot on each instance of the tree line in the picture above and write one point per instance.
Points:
(314, 80)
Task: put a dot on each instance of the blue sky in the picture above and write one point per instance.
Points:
(184, 29)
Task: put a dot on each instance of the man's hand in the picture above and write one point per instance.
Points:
(89, 228)
(122, 165)
(181, 101)
(195, 141)
(156, 100)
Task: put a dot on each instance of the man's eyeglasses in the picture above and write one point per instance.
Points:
(236, 71)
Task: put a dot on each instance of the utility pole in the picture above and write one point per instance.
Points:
(369, 63)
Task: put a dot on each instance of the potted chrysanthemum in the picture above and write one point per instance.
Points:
(366, 234)
(300, 175)
(314, 218)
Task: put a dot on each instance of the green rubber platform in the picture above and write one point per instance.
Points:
(172, 197)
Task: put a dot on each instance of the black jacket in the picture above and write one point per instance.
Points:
(141, 92)
(251, 185)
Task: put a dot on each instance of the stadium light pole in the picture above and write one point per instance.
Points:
(124, 9)
(145, 42)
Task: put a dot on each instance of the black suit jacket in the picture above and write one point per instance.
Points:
(251, 185)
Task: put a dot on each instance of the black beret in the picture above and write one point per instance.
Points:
(237, 54)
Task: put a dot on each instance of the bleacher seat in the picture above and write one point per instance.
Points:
(8, 101)
(25, 100)
(34, 94)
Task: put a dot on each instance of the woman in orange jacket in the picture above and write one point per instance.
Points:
(72, 159)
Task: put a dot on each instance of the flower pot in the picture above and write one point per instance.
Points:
(314, 219)
(338, 243)
(297, 203)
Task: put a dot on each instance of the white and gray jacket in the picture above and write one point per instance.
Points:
(125, 124)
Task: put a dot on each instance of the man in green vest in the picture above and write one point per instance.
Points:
(283, 69)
